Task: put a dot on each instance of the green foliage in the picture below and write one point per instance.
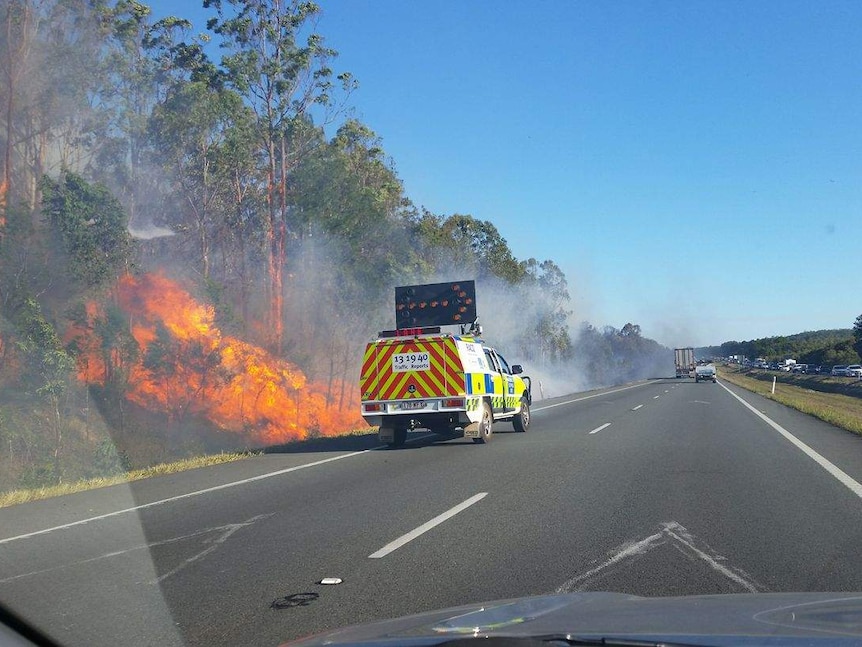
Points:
(823, 347)
(857, 336)
(611, 356)
(107, 461)
(47, 364)
(92, 226)
(473, 245)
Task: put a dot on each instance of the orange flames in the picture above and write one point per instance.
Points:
(186, 366)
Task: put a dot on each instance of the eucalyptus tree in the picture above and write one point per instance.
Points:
(281, 67)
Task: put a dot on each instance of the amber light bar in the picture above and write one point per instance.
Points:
(410, 332)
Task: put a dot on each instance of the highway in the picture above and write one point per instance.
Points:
(662, 487)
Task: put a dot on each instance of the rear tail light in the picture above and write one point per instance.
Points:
(453, 403)
(369, 408)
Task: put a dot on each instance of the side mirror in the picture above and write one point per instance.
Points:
(517, 369)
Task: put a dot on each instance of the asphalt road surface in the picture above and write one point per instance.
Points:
(663, 487)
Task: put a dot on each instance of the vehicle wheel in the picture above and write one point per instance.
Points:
(485, 426)
(400, 438)
(522, 420)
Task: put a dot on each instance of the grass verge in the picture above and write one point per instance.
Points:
(341, 442)
(14, 497)
(840, 410)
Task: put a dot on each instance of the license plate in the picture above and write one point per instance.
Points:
(409, 406)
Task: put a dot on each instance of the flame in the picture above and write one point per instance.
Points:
(187, 366)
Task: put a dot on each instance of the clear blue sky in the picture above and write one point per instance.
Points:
(694, 167)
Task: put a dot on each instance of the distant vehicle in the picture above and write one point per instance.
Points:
(799, 368)
(684, 361)
(704, 373)
(854, 370)
(839, 371)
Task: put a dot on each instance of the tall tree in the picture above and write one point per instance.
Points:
(283, 79)
(190, 130)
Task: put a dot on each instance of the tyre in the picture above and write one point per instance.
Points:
(522, 420)
(400, 439)
(485, 425)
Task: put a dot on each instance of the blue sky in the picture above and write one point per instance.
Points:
(694, 167)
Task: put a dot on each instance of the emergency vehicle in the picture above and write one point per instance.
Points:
(450, 383)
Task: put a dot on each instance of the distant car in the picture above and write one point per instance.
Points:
(704, 372)
(839, 371)
(854, 370)
(812, 370)
(799, 368)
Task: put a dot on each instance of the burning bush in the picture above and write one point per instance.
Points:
(181, 364)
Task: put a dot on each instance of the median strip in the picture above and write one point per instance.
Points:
(428, 525)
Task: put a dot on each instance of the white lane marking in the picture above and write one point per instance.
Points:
(842, 476)
(187, 495)
(637, 407)
(428, 525)
(598, 429)
(587, 397)
(687, 541)
(674, 532)
(666, 391)
(627, 550)
(656, 397)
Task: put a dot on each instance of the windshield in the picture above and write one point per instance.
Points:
(218, 424)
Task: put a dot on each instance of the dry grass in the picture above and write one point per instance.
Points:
(14, 497)
(840, 410)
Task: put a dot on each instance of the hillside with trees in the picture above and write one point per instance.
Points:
(821, 347)
(193, 251)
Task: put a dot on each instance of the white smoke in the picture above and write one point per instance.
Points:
(150, 231)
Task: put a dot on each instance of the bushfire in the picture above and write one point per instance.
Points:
(183, 365)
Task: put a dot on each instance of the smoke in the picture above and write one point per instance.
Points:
(149, 232)
(531, 323)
